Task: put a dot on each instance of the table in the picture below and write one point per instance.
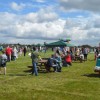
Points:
(42, 61)
(42, 64)
(78, 58)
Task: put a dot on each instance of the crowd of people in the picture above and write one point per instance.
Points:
(10, 54)
(60, 57)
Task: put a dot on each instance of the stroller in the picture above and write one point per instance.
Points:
(97, 67)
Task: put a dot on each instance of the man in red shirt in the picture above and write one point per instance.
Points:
(8, 53)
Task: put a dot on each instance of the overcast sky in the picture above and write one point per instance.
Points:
(39, 21)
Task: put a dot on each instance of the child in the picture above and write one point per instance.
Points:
(3, 60)
(68, 59)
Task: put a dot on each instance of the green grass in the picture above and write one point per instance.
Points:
(78, 82)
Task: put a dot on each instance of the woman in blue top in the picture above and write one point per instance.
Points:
(59, 61)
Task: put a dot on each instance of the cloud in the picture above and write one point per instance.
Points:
(46, 25)
(88, 5)
(41, 16)
(16, 6)
(83, 30)
(30, 26)
(41, 1)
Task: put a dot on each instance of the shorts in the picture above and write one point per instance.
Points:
(3, 65)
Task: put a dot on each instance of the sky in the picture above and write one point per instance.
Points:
(39, 21)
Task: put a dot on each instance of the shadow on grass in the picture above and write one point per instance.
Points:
(29, 66)
(17, 75)
(27, 71)
(92, 75)
(39, 70)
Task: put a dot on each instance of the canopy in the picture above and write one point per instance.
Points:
(59, 44)
(55, 44)
(70, 45)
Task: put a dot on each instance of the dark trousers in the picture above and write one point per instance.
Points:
(85, 56)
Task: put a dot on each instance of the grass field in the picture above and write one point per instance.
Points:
(78, 82)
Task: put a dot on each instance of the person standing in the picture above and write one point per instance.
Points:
(3, 60)
(15, 53)
(24, 50)
(8, 53)
(20, 51)
(85, 52)
(34, 57)
(96, 53)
